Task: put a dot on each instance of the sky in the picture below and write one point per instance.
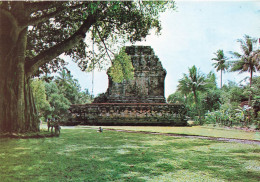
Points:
(190, 35)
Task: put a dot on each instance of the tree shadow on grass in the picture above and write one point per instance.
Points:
(193, 156)
(86, 155)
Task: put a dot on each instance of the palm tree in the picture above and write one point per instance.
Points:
(68, 86)
(183, 87)
(220, 64)
(62, 78)
(249, 59)
(192, 83)
(65, 78)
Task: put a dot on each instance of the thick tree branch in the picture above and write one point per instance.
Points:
(104, 45)
(33, 65)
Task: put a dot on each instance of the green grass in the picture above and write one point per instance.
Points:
(195, 130)
(86, 155)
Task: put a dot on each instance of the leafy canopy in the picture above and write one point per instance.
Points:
(55, 27)
(55, 97)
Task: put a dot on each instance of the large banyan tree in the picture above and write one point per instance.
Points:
(34, 34)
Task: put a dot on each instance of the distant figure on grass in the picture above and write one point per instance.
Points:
(100, 129)
(53, 123)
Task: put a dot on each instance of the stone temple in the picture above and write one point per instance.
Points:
(140, 101)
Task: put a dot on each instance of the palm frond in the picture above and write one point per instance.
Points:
(237, 66)
(236, 54)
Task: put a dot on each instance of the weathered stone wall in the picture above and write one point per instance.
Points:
(130, 114)
(148, 83)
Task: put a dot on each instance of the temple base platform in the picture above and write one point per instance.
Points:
(136, 114)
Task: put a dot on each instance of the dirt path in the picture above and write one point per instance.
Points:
(255, 142)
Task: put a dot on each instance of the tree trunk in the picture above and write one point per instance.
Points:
(250, 96)
(251, 76)
(196, 103)
(17, 110)
(17, 113)
(220, 79)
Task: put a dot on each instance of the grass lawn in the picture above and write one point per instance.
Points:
(195, 130)
(86, 155)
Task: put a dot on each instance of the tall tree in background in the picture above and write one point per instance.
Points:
(183, 87)
(220, 64)
(68, 86)
(192, 83)
(34, 34)
(249, 60)
(58, 102)
(211, 96)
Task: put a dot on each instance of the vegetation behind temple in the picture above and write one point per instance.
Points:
(221, 106)
(225, 106)
(53, 96)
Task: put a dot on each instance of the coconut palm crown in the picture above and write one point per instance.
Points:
(249, 60)
(220, 63)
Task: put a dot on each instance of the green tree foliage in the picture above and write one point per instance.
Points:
(210, 81)
(53, 98)
(211, 100)
(58, 102)
(35, 33)
(183, 86)
(220, 63)
(230, 111)
(176, 97)
(122, 67)
(41, 102)
(255, 87)
(210, 97)
(233, 93)
(254, 90)
(84, 97)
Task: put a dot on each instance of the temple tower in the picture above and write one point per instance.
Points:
(148, 83)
